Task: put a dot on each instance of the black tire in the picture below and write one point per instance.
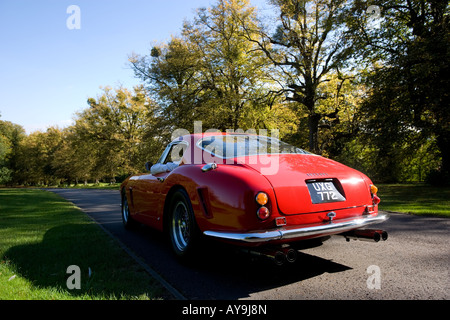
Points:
(182, 227)
(127, 221)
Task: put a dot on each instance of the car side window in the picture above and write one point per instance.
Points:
(163, 157)
(170, 159)
(175, 153)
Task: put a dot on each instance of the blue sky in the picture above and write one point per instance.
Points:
(48, 71)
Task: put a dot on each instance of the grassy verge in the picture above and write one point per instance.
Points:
(101, 185)
(419, 199)
(41, 235)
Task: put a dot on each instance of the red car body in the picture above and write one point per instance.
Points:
(304, 195)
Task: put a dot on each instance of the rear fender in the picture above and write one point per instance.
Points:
(223, 198)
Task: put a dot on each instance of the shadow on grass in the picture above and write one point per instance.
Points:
(112, 276)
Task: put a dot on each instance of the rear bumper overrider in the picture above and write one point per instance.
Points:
(294, 232)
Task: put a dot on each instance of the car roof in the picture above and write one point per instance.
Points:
(198, 136)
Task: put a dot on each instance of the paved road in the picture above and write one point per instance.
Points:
(412, 264)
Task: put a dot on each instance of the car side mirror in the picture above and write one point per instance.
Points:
(148, 166)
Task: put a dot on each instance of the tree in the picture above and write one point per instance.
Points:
(11, 136)
(409, 84)
(308, 44)
(209, 73)
(340, 108)
(170, 72)
(73, 160)
(5, 172)
(35, 156)
(112, 129)
(234, 75)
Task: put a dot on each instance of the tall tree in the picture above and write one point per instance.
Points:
(409, 85)
(114, 126)
(5, 149)
(35, 156)
(209, 73)
(234, 75)
(11, 135)
(74, 160)
(170, 74)
(308, 44)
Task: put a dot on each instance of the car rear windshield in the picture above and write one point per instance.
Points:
(238, 145)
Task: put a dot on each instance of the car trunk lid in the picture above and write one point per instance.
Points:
(310, 183)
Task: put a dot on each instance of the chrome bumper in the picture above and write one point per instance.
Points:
(327, 228)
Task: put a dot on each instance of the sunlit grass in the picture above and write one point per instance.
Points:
(41, 235)
(417, 199)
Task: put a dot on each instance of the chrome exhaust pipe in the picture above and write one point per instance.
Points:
(372, 235)
(384, 234)
(291, 254)
(277, 256)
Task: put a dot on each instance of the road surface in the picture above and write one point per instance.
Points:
(412, 264)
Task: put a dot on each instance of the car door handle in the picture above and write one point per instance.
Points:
(209, 167)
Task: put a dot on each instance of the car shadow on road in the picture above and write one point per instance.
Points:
(223, 272)
(243, 274)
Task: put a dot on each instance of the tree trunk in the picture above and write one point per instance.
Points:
(443, 142)
(313, 117)
(313, 126)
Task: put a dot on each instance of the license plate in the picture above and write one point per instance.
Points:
(324, 192)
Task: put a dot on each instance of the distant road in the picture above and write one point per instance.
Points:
(412, 264)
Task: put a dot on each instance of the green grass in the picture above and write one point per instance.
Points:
(419, 199)
(101, 185)
(41, 235)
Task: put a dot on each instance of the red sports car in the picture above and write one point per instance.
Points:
(250, 190)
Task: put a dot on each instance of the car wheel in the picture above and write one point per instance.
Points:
(183, 229)
(127, 221)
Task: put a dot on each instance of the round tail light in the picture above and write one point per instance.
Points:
(373, 189)
(376, 200)
(262, 198)
(263, 213)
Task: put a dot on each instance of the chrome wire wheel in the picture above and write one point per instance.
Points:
(125, 211)
(127, 219)
(181, 226)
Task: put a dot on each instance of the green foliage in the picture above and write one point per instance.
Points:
(370, 94)
(112, 129)
(107, 141)
(408, 98)
(5, 173)
(11, 136)
(35, 155)
(309, 44)
(210, 73)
